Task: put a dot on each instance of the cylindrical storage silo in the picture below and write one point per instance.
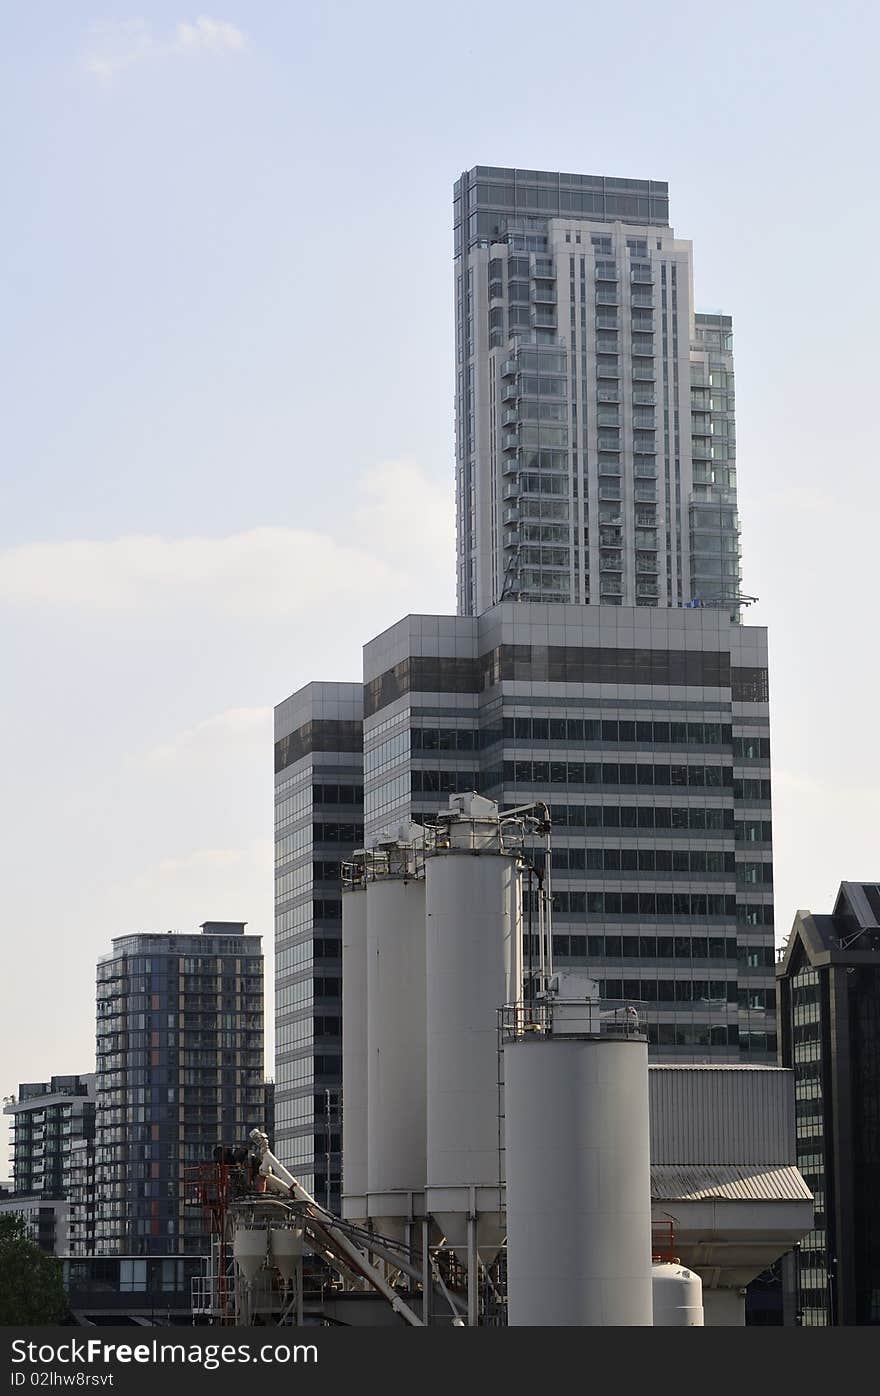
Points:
(578, 1181)
(395, 1044)
(354, 1053)
(473, 965)
(678, 1296)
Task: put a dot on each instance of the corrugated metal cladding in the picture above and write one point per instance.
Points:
(722, 1114)
(669, 1184)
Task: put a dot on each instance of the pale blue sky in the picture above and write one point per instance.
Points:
(226, 331)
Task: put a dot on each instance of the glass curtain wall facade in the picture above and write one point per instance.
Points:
(829, 1022)
(318, 822)
(180, 1070)
(593, 405)
(647, 733)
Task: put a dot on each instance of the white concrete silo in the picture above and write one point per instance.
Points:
(473, 964)
(354, 1046)
(396, 1167)
(578, 1167)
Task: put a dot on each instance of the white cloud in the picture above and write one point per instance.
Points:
(260, 573)
(216, 734)
(201, 859)
(114, 46)
(206, 33)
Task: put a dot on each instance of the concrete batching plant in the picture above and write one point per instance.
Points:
(497, 1134)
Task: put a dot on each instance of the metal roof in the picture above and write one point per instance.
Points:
(729, 1183)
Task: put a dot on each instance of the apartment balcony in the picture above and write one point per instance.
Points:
(542, 319)
(608, 395)
(606, 345)
(609, 443)
(610, 588)
(543, 271)
(641, 278)
(645, 470)
(607, 272)
(605, 296)
(512, 538)
(608, 467)
(509, 393)
(510, 465)
(508, 368)
(510, 442)
(543, 294)
(610, 492)
(608, 419)
(510, 515)
(644, 448)
(642, 300)
(644, 373)
(699, 451)
(510, 417)
(510, 490)
(643, 399)
(643, 350)
(608, 370)
(647, 589)
(646, 566)
(643, 324)
(608, 322)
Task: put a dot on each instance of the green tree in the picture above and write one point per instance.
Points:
(31, 1291)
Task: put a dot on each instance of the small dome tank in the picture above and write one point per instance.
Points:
(678, 1296)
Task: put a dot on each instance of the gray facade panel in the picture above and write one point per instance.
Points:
(721, 1115)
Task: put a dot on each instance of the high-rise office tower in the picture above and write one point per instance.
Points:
(318, 821)
(595, 440)
(596, 467)
(829, 1026)
(179, 1071)
(646, 732)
